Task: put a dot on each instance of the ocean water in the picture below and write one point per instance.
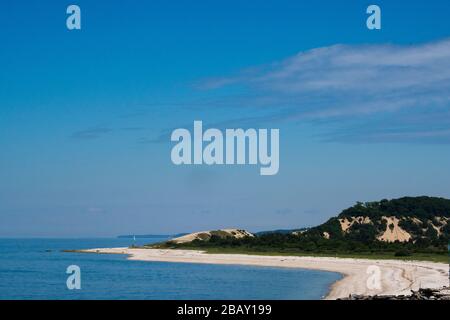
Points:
(36, 269)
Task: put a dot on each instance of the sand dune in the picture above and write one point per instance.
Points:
(396, 277)
(396, 233)
(205, 235)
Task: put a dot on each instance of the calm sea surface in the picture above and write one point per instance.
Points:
(36, 269)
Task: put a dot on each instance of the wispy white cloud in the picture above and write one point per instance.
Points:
(399, 85)
(91, 133)
(97, 132)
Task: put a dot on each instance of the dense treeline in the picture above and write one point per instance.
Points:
(419, 216)
(420, 207)
(315, 244)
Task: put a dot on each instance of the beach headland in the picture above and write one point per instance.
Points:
(360, 276)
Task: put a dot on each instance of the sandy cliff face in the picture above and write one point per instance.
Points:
(346, 223)
(393, 231)
(392, 227)
(206, 235)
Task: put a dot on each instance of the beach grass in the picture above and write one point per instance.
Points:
(433, 257)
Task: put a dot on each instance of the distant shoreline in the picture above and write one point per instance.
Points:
(149, 236)
(396, 277)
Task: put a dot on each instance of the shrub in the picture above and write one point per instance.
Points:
(402, 253)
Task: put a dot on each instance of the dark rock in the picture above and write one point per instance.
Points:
(421, 294)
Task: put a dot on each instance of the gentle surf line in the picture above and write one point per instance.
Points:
(396, 277)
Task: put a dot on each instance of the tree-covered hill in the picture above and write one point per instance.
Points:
(409, 219)
(419, 207)
(400, 227)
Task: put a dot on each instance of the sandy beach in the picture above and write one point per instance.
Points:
(396, 277)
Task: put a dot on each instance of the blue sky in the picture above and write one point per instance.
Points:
(85, 115)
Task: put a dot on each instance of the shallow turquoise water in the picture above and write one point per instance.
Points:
(29, 271)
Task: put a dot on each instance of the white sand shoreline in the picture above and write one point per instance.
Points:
(396, 277)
